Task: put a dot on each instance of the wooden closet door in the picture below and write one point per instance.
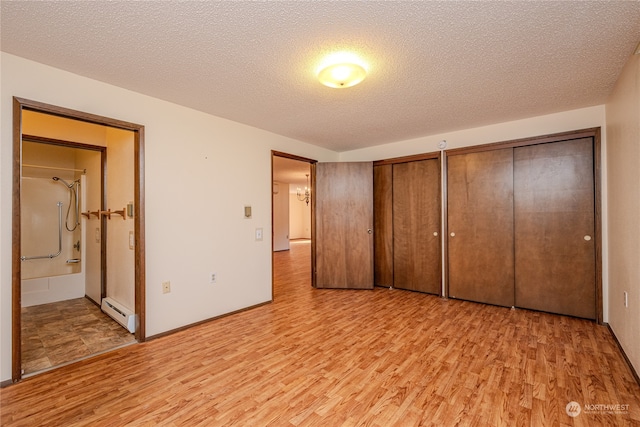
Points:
(416, 226)
(344, 225)
(555, 227)
(383, 225)
(480, 226)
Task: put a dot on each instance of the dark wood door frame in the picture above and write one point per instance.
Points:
(20, 104)
(576, 134)
(312, 175)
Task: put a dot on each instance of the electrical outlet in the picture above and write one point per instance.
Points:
(213, 277)
(166, 287)
(626, 299)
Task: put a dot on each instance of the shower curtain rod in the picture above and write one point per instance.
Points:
(54, 168)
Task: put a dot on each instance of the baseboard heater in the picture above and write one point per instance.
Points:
(119, 313)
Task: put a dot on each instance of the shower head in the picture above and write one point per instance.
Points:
(55, 178)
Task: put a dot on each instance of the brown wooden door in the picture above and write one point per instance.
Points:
(480, 226)
(344, 225)
(555, 227)
(383, 225)
(416, 226)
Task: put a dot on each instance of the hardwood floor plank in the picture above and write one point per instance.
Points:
(341, 357)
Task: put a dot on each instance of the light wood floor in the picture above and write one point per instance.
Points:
(61, 332)
(342, 358)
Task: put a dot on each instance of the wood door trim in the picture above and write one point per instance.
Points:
(61, 142)
(16, 273)
(69, 113)
(444, 241)
(292, 157)
(20, 104)
(313, 225)
(582, 133)
(597, 170)
(405, 159)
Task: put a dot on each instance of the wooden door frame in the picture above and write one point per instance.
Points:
(543, 139)
(312, 175)
(20, 104)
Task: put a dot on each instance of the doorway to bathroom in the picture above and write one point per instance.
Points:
(78, 282)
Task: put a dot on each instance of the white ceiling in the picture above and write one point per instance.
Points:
(290, 171)
(434, 67)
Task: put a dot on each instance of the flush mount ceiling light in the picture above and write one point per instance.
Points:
(341, 70)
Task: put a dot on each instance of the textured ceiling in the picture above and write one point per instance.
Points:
(434, 67)
(290, 171)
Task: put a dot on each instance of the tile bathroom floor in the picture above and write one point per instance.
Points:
(61, 332)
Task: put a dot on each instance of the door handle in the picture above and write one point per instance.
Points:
(370, 231)
(435, 233)
(587, 237)
(453, 234)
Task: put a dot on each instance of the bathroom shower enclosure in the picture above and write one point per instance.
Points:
(52, 251)
(68, 229)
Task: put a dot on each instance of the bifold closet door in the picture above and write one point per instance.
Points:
(344, 225)
(416, 226)
(555, 226)
(383, 225)
(480, 226)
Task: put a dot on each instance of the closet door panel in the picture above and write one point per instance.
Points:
(416, 226)
(344, 225)
(480, 227)
(383, 225)
(555, 226)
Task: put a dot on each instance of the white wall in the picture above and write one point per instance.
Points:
(300, 216)
(92, 249)
(281, 217)
(120, 191)
(623, 136)
(542, 125)
(194, 217)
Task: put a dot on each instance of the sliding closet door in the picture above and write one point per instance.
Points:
(416, 226)
(480, 226)
(555, 228)
(383, 225)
